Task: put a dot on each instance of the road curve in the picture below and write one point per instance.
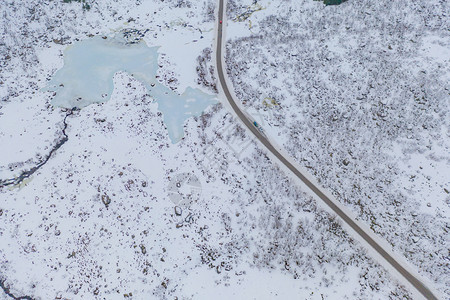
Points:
(411, 278)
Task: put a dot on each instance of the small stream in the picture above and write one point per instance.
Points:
(26, 174)
(8, 292)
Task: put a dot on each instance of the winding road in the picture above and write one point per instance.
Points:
(333, 204)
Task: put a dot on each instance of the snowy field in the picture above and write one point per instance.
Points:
(358, 94)
(99, 220)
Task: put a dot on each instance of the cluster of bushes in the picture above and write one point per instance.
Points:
(333, 2)
(86, 6)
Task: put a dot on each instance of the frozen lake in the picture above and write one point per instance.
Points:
(89, 68)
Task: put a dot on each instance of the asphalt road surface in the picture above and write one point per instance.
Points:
(416, 282)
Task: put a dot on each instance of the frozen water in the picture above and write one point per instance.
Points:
(89, 68)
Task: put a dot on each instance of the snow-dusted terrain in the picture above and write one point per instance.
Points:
(99, 219)
(358, 94)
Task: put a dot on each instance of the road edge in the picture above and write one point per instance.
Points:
(371, 251)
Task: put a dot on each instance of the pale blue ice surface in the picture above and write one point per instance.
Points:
(89, 68)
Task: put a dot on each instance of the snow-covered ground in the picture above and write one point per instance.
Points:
(98, 220)
(361, 93)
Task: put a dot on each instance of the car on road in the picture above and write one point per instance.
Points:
(257, 126)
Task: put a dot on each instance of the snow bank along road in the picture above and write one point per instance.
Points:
(366, 235)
